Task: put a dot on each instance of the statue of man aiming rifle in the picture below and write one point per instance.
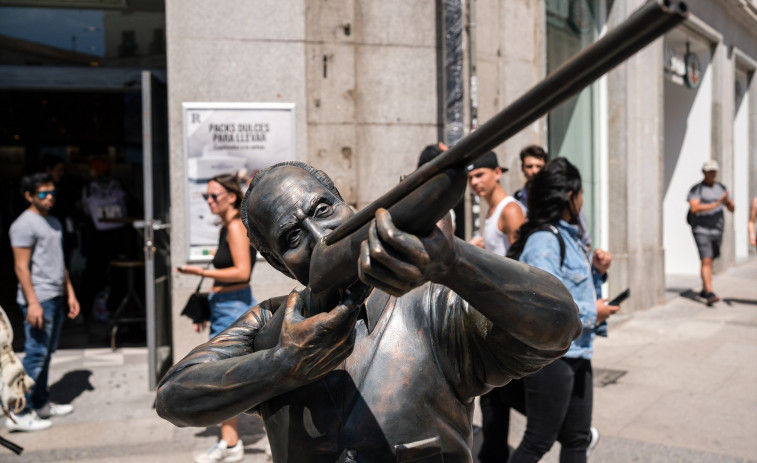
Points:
(386, 370)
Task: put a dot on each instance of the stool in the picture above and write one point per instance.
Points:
(122, 315)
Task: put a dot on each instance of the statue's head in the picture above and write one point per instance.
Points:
(287, 209)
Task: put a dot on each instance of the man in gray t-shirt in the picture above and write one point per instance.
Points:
(707, 199)
(37, 241)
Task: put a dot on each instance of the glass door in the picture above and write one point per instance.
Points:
(156, 226)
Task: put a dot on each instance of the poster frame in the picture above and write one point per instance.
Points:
(186, 107)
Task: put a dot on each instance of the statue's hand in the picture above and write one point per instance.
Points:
(396, 262)
(315, 345)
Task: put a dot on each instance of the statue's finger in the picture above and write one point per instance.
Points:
(402, 243)
(294, 306)
(391, 260)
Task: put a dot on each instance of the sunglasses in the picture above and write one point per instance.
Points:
(43, 194)
(213, 196)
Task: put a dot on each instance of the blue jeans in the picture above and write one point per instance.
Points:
(39, 347)
(225, 308)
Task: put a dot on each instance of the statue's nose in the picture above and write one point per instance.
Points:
(315, 229)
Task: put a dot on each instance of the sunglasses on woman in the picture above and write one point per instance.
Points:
(214, 196)
(43, 194)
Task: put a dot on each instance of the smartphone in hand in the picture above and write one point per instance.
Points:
(620, 297)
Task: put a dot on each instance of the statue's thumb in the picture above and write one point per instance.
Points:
(294, 306)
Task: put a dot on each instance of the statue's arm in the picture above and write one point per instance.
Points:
(222, 377)
(529, 304)
(226, 376)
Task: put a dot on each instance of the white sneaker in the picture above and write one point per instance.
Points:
(53, 409)
(27, 422)
(594, 434)
(221, 453)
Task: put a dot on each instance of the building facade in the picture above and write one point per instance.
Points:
(369, 83)
(372, 83)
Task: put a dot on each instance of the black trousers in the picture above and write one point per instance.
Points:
(495, 420)
(558, 403)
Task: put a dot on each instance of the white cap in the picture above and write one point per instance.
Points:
(710, 166)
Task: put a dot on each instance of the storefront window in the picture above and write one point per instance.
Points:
(572, 128)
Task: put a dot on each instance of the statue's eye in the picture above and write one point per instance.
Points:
(323, 210)
(293, 237)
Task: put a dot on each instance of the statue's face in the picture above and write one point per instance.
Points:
(294, 212)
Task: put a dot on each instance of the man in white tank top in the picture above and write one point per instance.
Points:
(505, 215)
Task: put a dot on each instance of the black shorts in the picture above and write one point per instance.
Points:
(708, 245)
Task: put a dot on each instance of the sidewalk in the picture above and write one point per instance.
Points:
(678, 382)
(675, 383)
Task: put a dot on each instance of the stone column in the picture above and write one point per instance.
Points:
(635, 151)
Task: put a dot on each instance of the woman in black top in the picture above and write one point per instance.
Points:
(231, 295)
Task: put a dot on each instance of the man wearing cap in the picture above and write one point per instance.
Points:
(505, 215)
(706, 201)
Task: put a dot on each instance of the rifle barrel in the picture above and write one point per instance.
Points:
(644, 26)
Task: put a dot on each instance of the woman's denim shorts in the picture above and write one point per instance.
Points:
(225, 308)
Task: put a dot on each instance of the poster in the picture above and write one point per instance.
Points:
(228, 138)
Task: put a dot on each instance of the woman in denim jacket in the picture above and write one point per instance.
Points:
(559, 396)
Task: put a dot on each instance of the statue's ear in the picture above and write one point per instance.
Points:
(276, 263)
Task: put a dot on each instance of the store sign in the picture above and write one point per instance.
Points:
(693, 75)
(228, 138)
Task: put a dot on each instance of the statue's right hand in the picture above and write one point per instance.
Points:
(315, 345)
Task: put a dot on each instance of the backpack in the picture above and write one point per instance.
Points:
(690, 215)
(105, 199)
(14, 382)
(518, 250)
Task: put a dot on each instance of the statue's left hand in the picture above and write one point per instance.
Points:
(396, 262)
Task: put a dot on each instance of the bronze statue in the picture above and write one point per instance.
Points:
(387, 368)
(390, 376)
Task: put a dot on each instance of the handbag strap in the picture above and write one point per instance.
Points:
(197, 290)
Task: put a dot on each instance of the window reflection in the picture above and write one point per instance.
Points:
(131, 36)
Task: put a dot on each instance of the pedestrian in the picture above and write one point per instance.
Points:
(231, 295)
(105, 239)
(68, 189)
(559, 397)
(37, 241)
(751, 223)
(386, 370)
(532, 159)
(504, 218)
(505, 213)
(707, 199)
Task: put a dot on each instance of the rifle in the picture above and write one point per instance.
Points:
(425, 196)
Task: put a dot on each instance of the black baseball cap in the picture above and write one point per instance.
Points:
(488, 160)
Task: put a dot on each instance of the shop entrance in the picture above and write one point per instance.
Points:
(92, 127)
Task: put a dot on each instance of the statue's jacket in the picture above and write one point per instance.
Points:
(406, 391)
